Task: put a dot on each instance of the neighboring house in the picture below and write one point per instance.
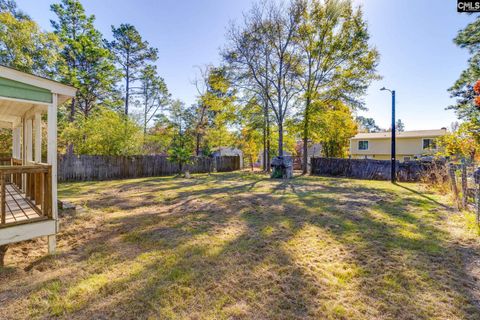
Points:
(226, 151)
(313, 150)
(410, 145)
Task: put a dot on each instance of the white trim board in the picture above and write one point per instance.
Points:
(27, 231)
(53, 86)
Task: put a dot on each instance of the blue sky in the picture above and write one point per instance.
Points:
(414, 38)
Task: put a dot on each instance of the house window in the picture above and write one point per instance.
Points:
(362, 145)
(429, 144)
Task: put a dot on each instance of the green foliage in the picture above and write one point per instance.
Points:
(338, 63)
(250, 145)
(462, 90)
(308, 50)
(153, 93)
(86, 63)
(131, 53)
(337, 60)
(215, 110)
(106, 132)
(462, 143)
(5, 141)
(160, 137)
(171, 134)
(24, 46)
(251, 120)
(180, 153)
(11, 7)
(333, 128)
(367, 124)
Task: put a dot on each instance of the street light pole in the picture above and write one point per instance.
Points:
(394, 153)
(393, 171)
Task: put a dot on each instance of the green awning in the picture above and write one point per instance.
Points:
(17, 90)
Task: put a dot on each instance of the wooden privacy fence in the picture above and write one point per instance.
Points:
(411, 171)
(93, 168)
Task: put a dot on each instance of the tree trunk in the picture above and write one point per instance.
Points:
(305, 137)
(268, 143)
(264, 160)
(71, 118)
(197, 145)
(127, 91)
(3, 251)
(145, 123)
(280, 139)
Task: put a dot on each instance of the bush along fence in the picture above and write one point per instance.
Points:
(94, 168)
(411, 171)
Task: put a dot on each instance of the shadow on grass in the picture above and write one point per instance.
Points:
(423, 196)
(239, 246)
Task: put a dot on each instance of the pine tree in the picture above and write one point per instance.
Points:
(86, 63)
(463, 89)
(132, 53)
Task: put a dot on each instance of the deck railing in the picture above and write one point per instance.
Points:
(33, 181)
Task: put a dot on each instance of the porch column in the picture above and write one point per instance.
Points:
(24, 141)
(52, 160)
(24, 153)
(38, 137)
(29, 140)
(16, 143)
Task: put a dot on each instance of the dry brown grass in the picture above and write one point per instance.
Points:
(240, 246)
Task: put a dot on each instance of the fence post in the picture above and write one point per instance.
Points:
(453, 181)
(476, 178)
(464, 185)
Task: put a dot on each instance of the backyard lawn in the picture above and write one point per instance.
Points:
(241, 246)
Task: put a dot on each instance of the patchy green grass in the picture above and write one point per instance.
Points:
(241, 246)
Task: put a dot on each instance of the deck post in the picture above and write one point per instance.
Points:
(52, 244)
(38, 137)
(52, 160)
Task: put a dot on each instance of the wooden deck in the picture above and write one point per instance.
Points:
(18, 208)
